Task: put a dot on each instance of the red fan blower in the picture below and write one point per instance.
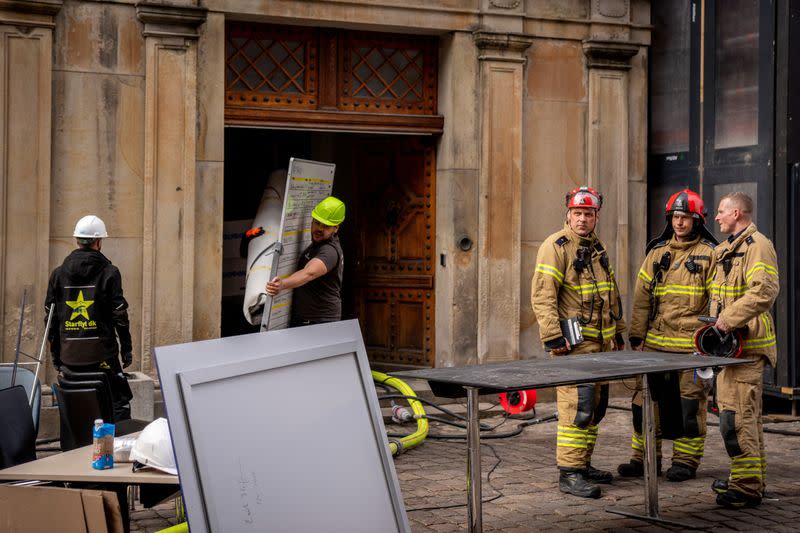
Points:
(518, 401)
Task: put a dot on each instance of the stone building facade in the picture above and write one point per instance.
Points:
(118, 108)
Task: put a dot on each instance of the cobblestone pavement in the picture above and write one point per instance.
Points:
(522, 484)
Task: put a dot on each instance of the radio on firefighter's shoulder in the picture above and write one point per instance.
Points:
(571, 330)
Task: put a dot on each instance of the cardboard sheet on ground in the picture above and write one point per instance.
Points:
(280, 431)
(308, 183)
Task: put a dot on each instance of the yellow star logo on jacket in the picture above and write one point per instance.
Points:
(79, 307)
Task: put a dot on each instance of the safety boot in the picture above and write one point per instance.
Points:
(597, 476)
(680, 472)
(719, 486)
(733, 499)
(635, 469)
(573, 482)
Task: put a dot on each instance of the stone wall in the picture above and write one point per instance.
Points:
(118, 110)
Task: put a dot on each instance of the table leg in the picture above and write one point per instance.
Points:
(650, 466)
(650, 453)
(474, 492)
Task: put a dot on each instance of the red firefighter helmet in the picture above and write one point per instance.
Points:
(708, 340)
(584, 197)
(687, 201)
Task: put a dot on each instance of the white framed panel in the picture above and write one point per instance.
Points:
(280, 431)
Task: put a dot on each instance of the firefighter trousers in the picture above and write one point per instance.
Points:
(686, 450)
(739, 391)
(580, 410)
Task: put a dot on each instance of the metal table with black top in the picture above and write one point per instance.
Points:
(471, 381)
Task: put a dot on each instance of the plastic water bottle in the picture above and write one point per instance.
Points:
(103, 452)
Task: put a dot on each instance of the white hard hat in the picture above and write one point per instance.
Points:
(90, 227)
(153, 448)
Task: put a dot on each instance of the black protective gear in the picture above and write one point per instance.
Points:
(719, 486)
(727, 427)
(554, 344)
(597, 476)
(635, 469)
(679, 472)
(574, 482)
(733, 499)
(127, 359)
(585, 405)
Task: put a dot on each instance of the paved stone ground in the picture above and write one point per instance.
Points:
(522, 477)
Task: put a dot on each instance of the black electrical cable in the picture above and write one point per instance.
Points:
(488, 482)
(456, 436)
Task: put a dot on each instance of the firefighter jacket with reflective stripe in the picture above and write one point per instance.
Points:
(90, 310)
(671, 292)
(571, 281)
(745, 288)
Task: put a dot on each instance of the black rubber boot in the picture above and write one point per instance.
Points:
(733, 499)
(680, 472)
(573, 482)
(597, 476)
(635, 469)
(719, 486)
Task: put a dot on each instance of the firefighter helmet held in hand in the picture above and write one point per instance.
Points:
(584, 197)
(329, 211)
(708, 340)
(687, 201)
(90, 227)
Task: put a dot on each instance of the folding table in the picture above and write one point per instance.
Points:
(470, 381)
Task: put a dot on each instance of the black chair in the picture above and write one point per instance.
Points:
(80, 404)
(28, 380)
(17, 435)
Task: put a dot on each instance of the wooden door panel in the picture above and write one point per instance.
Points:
(394, 270)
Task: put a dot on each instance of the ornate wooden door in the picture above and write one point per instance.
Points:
(394, 278)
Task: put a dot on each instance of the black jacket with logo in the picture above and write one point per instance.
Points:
(90, 311)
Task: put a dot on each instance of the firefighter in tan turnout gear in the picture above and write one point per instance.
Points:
(742, 293)
(574, 280)
(671, 293)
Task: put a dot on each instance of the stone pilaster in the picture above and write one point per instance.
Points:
(169, 174)
(26, 63)
(608, 145)
(502, 63)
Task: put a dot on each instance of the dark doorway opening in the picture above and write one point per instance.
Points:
(388, 185)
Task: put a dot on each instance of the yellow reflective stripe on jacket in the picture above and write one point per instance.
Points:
(762, 342)
(601, 286)
(726, 290)
(675, 342)
(690, 290)
(759, 266)
(595, 333)
(550, 271)
(644, 276)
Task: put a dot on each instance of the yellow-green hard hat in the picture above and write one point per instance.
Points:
(329, 211)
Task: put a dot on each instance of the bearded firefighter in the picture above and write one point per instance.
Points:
(672, 291)
(574, 288)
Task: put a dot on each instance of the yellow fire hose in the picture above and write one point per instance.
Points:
(415, 439)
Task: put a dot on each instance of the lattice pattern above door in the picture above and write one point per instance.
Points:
(271, 66)
(281, 67)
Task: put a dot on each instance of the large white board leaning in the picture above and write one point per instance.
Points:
(308, 183)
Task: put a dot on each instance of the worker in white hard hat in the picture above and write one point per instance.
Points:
(90, 325)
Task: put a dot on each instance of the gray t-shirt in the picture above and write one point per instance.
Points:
(320, 300)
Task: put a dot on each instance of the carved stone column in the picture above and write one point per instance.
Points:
(608, 145)
(26, 65)
(169, 174)
(502, 64)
